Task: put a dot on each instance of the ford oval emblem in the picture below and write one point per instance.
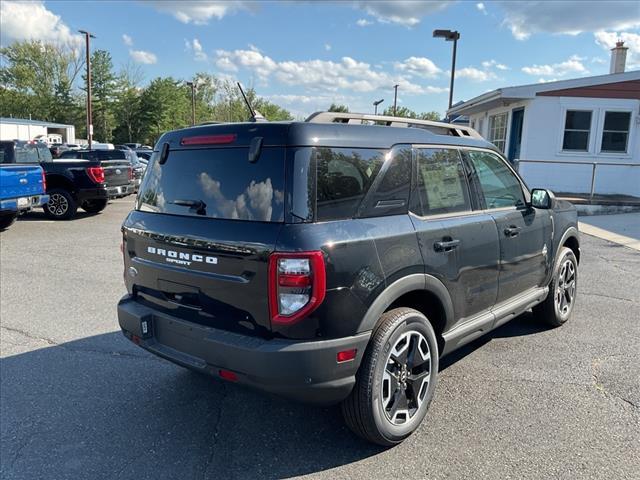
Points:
(118, 171)
(23, 181)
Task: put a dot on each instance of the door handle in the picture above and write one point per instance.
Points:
(446, 245)
(512, 231)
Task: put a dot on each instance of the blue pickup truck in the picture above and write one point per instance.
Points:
(22, 187)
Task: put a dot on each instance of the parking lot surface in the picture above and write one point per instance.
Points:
(79, 401)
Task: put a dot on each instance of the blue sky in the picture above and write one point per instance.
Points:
(304, 55)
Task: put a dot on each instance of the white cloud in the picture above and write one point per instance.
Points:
(494, 64)
(573, 65)
(607, 40)
(323, 75)
(402, 12)
(363, 22)
(568, 17)
(127, 40)
(32, 21)
(327, 47)
(481, 7)
(140, 56)
(547, 80)
(418, 66)
(195, 47)
(475, 74)
(199, 12)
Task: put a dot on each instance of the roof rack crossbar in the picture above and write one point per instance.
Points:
(440, 128)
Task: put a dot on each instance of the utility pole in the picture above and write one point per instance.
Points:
(450, 36)
(87, 37)
(193, 102)
(375, 105)
(395, 99)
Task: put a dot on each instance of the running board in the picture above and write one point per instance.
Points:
(489, 320)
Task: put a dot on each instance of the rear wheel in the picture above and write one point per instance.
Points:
(396, 381)
(558, 306)
(7, 220)
(94, 206)
(61, 206)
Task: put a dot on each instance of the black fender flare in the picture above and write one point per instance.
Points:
(60, 179)
(410, 283)
(569, 232)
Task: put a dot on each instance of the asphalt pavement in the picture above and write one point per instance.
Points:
(78, 401)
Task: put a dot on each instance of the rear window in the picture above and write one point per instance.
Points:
(216, 183)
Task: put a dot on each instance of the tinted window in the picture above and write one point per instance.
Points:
(576, 130)
(616, 131)
(26, 154)
(6, 152)
(498, 184)
(441, 182)
(344, 178)
(391, 195)
(217, 183)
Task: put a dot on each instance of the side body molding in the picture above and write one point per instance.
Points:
(410, 283)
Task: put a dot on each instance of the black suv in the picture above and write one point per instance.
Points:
(330, 262)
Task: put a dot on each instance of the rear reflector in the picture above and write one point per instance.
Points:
(346, 355)
(135, 339)
(228, 375)
(209, 139)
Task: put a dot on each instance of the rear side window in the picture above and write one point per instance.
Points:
(27, 155)
(216, 183)
(344, 176)
(441, 182)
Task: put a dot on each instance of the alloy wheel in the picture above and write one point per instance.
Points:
(58, 204)
(406, 377)
(566, 288)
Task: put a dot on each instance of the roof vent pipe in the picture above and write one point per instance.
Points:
(618, 57)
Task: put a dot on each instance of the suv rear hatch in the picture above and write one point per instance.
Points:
(205, 223)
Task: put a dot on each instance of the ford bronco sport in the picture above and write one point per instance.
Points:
(337, 260)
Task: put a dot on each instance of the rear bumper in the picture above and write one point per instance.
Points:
(32, 201)
(87, 194)
(121, 190)
(306, 371)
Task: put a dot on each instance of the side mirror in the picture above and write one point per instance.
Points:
(541, 198)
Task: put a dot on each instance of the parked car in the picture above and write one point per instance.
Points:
(133, 146)
(333, 262)
(56, 149)
(137, 167)
(22, 183)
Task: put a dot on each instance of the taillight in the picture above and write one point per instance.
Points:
(44, 182)
(297, 285)
(209, 139)
(130, 173)
(96, 174)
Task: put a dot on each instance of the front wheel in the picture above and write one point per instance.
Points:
(397, 379)
(556, 309)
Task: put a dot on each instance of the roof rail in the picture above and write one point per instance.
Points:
(439, 128)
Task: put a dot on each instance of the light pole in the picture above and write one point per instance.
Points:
(450, 36)
(375, 105)
(395, 98)
(87, 36)
(193, 101)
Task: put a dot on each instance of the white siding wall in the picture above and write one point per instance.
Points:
(13, 131)
(542, 136)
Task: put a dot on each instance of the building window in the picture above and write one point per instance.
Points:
(498, 130)
(577, 126)
(616, 132)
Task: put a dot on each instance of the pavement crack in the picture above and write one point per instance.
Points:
(595, 366)
(216, 432)
(609, 296)
(52, 343)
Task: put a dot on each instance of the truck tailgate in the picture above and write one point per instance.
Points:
(116, 172)
(20, 181)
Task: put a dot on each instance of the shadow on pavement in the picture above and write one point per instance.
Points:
(101, 408)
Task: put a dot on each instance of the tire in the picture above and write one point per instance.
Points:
(556, 309)
(369, 409)
(94, 206)
(7, 220)
(61, 206)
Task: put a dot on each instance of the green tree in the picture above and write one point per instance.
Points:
(408, 113)
(103, 83)
(164, 105)
(126, 109)
(336, 107)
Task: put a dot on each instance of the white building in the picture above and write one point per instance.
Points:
(572, 123)
(24, 129)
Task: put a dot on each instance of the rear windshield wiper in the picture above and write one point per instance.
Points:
(198, 205)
